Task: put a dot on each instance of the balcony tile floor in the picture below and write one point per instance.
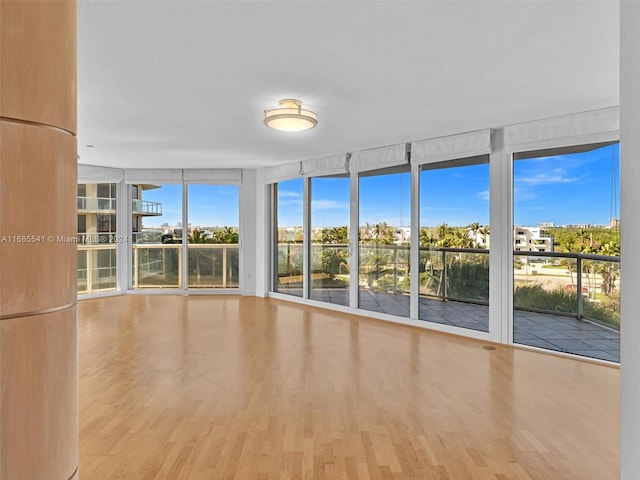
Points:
(552, 332)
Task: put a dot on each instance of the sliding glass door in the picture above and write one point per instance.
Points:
(566, 252)
(213, 236)
(454, 243)
(383, 244)
(330, 239)
(288, 237)
(156, 235)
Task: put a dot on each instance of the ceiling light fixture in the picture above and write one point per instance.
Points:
(289, 116)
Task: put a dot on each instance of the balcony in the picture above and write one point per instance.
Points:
(454, 290)
(159, 266)
(146, 208)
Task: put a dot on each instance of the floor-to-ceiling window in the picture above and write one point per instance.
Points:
(213, 236)
(566, 235)
(97, 237)
(288, 237)
(384, 238)
(454, 243)
(156, 235)
(561, 233)
(330, 239)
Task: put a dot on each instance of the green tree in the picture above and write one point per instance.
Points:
(196, 256)
(334, 258)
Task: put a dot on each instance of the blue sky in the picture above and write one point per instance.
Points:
(209, 205)
(566, 189)
(563, 189)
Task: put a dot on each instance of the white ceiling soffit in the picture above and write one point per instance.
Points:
(183, 84)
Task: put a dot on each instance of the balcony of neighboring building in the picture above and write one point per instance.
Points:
(96, 204)
(108, 205)
(146, 208)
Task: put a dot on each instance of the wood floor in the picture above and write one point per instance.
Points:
(176, 387)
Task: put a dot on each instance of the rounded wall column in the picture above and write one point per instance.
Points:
(38, 170)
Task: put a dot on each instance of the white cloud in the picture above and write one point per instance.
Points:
(547, 177)
(289, 194)
(328, 205)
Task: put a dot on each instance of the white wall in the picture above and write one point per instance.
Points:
(630, 232)
(261, 207)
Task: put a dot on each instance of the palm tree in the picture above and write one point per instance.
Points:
(442, 231)
(460, 239)
(426, 237)
(376, 267)
(199, 237)
(226, 235)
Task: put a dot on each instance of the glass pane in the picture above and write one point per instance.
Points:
(454, 244)
(566, 253)
(288, 237)
(330, 239)
(157, 247)
(213, 236)
(385, 219)
(97, 237)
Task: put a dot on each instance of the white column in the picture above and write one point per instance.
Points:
(501, 241)
(630, 232)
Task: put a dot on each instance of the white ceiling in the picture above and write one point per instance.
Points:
(183, 84)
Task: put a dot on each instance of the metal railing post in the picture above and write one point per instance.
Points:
(89, 272)
(136, 266)
(395, 269)
(579, 287)
(224, 266)
(179, 254)
(444, 275)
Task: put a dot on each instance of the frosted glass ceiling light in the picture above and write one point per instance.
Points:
(289, 116)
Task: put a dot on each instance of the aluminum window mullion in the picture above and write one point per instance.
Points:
(414, 259)
(124, 230)
(185, 238)
(306, 237)
(354, 228)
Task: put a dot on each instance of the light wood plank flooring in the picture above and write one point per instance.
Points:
(177, 387)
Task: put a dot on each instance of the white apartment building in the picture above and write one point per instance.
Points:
(531, 239)
(525, 239)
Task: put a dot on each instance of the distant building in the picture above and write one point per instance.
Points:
(531, 239)
(402, 235)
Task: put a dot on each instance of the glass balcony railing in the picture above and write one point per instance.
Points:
(209, 266)
(145, 207)
(455, 274)
(544, 282)
(139, 207)
(96, 204)
(213, 265)
(96, 268)
(384, 268)
(576, 284)
(290, 260)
